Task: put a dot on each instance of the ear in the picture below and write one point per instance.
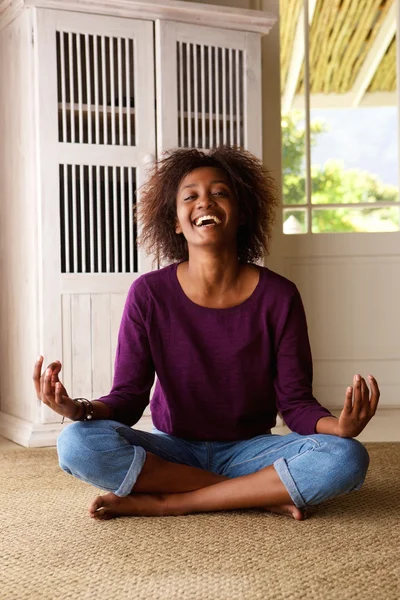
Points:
(178, 228)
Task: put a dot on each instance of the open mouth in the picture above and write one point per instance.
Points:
(207, 220)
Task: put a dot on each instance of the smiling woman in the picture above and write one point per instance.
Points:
(239, 173)
(229, 344)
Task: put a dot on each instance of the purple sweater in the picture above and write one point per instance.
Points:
(222, 374)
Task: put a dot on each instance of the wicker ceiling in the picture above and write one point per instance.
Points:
(341, 35)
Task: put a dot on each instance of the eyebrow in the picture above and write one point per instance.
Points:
(190, 185)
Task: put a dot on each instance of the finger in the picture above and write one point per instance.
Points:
(46, 388)
(36, 374)
(348, 401)
(56, 367)
(365, 407)
(375, 394)
(357, 394)
(58, 395)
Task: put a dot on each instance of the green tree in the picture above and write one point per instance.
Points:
(331, 183)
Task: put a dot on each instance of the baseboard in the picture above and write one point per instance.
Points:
(384, 427)
(39, 435)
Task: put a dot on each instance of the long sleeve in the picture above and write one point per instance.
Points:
(294, 372)
(134, 369)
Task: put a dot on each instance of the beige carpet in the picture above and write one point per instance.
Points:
(349, 548)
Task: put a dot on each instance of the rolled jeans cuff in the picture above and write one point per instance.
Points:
(133, 473)
(282, 469)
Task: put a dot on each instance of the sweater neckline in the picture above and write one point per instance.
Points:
(253, 296)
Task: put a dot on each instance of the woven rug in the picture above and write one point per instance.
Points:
(348, 548)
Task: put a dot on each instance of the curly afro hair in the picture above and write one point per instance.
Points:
(254, 188)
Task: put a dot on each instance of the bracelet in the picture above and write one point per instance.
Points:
(88, 410)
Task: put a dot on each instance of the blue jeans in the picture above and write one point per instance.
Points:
(313, 468)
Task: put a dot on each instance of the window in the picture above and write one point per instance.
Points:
(339, 117)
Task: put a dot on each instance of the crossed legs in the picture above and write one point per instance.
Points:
(153, 475)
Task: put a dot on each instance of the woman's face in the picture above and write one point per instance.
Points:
(207, 209)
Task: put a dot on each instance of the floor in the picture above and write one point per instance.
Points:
(384, 427)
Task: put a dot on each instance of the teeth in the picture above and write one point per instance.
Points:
(207, 218)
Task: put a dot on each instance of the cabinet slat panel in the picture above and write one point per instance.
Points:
(107, 218)
(188, 88)
(123, 227)
(99, 233)
(230, 79)
(104, 92)
(115, 265)
(71, 85)
(112, 90)
(210, 81)
(133, 105)
(210, 97)
(63, 98)
(64, 212)
(98, 230)
(224, 96)
(74, 226)
(132, 246)
(128, 92)
(195, 94)
(88, 87)
(237, 99)
(91, 219)
(203, 99)
(217, 96)
(96, 77)
(102, 358)
(79, 79)
(82, 228)
(181, 108)
(96, 89)
(121, 136)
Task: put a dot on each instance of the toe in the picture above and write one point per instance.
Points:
(95, 505)
(100, 514)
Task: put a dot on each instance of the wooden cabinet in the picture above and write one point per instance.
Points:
(87, 100)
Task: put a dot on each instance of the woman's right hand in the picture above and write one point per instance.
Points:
(51, 392)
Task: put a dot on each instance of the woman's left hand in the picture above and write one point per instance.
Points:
(359, 407)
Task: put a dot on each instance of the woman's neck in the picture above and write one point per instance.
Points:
(211, 276)
(220, 285)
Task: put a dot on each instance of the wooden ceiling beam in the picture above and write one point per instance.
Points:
(296, 60)
(374, 57)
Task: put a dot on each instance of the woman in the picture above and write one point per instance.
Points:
(228, 341)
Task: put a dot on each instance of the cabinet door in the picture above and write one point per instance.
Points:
(208, 87)
(95, 101)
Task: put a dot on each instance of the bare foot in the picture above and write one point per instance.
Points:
(139, 505)
(109, 506)
(289, 510)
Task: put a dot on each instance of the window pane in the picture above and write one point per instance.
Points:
(355, 219)
(295, 221)
(352, 161)
(354, 153)
(293, 158)
(353, 115)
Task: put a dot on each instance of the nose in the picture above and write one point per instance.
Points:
(205, 199)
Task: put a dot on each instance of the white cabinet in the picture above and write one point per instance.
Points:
(87, 99)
